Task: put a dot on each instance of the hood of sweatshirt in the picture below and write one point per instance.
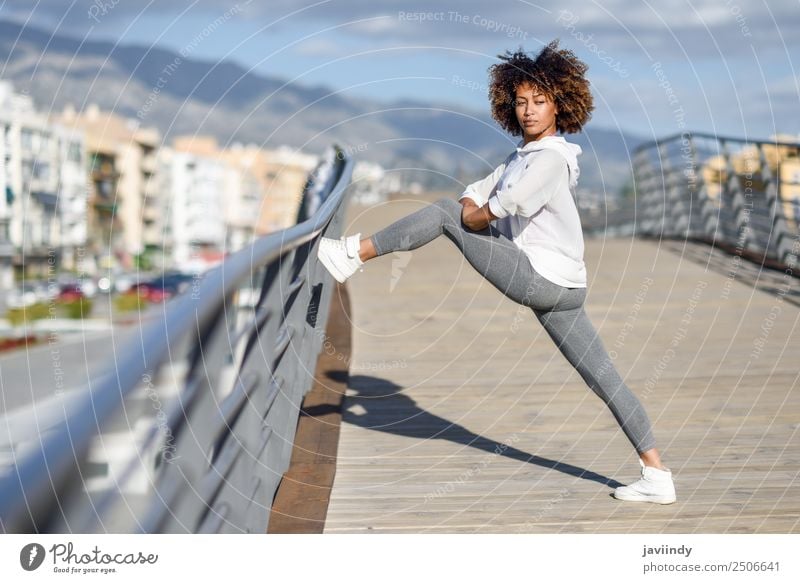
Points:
(567, 149)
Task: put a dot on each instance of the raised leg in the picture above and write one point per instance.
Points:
(490, 252)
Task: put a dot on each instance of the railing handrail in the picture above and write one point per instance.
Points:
(680, 135)
(29, 487)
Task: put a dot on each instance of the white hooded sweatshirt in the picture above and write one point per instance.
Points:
(533, 195)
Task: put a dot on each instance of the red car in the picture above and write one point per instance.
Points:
(149, 292)
(70, 292)
(162, 287)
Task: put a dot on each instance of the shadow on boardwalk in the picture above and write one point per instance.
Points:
(399, 415)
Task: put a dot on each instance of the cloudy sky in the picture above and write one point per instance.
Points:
(657, 68)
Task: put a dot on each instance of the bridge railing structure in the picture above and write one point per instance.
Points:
(741, 195)
(191, 427)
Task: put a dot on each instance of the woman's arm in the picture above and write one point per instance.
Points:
(474, 217)
(545, 174)
(480, 191)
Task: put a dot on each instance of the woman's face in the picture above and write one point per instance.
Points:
(536, 113)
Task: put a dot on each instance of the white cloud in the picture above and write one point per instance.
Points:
(318, 47)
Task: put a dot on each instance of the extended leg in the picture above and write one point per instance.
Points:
(579, 342)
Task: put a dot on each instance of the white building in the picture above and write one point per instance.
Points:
(370, 184)
(195, 214)
(242, 195)
(73, 195)
(6, 191)
(31, 181)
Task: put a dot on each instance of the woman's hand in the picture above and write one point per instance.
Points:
(468, 206)
(474, 217)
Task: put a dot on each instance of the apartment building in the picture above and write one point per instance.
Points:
(29, 212)
(123, 193)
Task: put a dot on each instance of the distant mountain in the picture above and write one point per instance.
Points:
(439, 144)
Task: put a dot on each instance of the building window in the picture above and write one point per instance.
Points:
(26, 137)
(27, 171)
(105, 188)
(41, 170)
(74, 153)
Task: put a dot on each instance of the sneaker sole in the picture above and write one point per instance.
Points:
(643, 498)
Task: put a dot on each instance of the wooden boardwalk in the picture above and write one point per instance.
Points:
(461, 415)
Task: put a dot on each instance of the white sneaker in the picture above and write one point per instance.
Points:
(340, 256)
(654, 486)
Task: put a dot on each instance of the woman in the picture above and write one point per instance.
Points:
(534, 252)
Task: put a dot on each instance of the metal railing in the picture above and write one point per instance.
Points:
(741, 195)
(192, 427)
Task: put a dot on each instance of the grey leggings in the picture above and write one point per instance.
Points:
(559, 309)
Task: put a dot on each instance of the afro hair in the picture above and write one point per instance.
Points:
(557, 73)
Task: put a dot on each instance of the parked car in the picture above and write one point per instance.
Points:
(163, 287)
(122, 282)
(70, 292)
